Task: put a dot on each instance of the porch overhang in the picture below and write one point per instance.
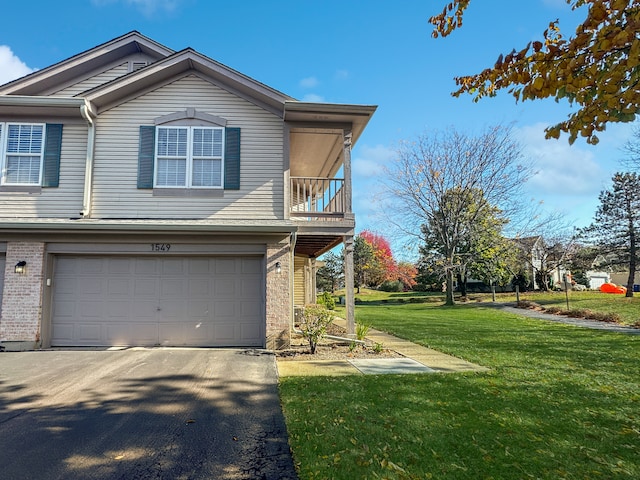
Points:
(317, 133)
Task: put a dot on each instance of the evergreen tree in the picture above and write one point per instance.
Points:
(617, 223)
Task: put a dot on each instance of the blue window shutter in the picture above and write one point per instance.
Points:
(146, 154)
(51, 158)
(232, 159)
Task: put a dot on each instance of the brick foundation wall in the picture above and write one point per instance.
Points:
(22, 297)
(278, 296)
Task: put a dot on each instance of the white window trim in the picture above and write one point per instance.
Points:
(190, 158)
(4, 138)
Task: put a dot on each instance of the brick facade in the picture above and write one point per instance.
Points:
(22, 298)
(278, 298)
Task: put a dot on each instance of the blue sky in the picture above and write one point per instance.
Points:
(358, 51)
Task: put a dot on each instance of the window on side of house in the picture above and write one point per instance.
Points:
(189, 157)
(22, 147)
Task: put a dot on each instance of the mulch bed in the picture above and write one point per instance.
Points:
(329, 349)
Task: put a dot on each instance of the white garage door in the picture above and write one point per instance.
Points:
(177, 301)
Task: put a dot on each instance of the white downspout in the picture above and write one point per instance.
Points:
(88, 115)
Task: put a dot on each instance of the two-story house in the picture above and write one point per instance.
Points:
(154, 197)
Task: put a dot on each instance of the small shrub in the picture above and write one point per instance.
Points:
(352, 346)
(362, 329)
(313, 323)
(553, 310)
(327, 300)
(389, 286)
(378, 347)
(528, 304)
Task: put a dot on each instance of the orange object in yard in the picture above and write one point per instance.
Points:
(612, 288)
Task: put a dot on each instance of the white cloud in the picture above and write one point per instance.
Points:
(309, 82)
(146, 7)
(342, 75)
(11, 67)
(372, 160)
(313, 98)
(563, 169)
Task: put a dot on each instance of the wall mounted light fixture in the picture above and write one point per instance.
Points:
(21, 267)
(278, 267)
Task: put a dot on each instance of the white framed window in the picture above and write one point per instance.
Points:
(189, 157)
(22, 147)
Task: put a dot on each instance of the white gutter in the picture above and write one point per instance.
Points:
(88, 115)
(32, 101)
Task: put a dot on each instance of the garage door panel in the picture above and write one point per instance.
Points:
(91, 309)
(199, 309)
(63, 332)
(250, 309)
(200, 301)
(119, 288)
(145, 266)
(120, 266)
(88, 333)
(202, 267)
(173, 287)
(250, 332)
(145, 286)
(224, 332)
(225, 266)
(249, 286)
(251, 266)
(91, 285)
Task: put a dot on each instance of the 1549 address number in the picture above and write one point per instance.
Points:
(160, 247)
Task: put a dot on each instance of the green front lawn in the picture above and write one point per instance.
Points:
(559, 402)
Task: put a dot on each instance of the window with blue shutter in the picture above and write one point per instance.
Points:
(189, 157)
(146, 156)
(31, 154)
(232, 159)
(52, 153)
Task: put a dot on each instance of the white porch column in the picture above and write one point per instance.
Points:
(346, 150)
(348, 286)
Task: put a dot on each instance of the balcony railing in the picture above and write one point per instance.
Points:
(317, 198)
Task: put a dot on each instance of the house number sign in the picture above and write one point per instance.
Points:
(160, 247)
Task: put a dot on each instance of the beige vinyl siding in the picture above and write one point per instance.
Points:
(261, 191)
(298, 281)
(94, 81)
(64, 201)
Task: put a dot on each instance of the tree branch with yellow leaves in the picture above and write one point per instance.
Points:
(597, 69)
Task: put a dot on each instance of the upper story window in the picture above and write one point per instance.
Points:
(189, 157)
(22, 146)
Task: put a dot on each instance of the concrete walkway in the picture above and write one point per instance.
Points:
(416, 359)
(578, 322)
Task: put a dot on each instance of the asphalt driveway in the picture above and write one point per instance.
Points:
(141, 414)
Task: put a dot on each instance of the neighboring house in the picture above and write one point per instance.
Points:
(597, 279)
(611, 270)
(539, 258)
(152, 197)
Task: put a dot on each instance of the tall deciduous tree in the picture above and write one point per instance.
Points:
(465, 237)
(597, 69)
(617, 223)
(384, 266)
(446, 182)
(363, 261)
(331, 273)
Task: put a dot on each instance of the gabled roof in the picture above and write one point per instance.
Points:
(181, 63)
(89, 60)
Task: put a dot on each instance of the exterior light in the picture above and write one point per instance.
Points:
(21, 267)
(278, 267)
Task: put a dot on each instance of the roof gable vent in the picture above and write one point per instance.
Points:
(133, 66)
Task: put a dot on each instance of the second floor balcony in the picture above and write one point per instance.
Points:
(317, 198)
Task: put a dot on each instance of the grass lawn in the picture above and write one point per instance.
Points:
(559, 403)
(627, 308)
